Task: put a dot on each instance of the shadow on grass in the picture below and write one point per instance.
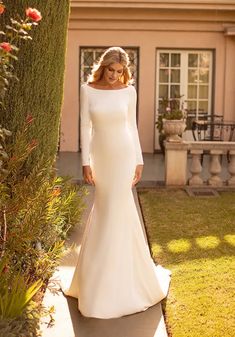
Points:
(181, 228)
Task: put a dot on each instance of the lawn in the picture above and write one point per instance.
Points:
(195, 238)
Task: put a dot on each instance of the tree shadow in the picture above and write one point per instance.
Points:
(188, 228)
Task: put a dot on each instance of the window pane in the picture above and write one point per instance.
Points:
(193, 60)
(203, 91)
(192, 76)
(161, 107)
(163, 91)
(87, 72)
(203, 106)
(192, 106)
(204, 75)
(192, 91)
(204, 60)
(88, 58)
(164, 75)
(164, 60)
(175, 75)
(131, 55)
(175, 60)
(175, 91)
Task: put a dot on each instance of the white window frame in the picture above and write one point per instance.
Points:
(183, 83)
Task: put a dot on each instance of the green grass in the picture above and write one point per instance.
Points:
(195, 239)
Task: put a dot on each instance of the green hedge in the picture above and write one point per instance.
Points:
(40, 69)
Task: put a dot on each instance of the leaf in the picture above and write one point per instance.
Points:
(13, 56)
(17, 296)
(7, 132)
(22, 31)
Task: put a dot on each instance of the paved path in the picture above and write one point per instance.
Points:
(70, 323)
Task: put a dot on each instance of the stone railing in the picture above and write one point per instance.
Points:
(184, 163)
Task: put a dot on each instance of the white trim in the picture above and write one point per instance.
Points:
(159, 4)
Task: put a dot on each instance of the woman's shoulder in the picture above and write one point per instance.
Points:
(84, 86)
(132, 88)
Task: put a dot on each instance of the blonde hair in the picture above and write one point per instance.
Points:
(112, 55)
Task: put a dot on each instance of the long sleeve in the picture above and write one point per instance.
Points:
(85, 126)
(133, 126)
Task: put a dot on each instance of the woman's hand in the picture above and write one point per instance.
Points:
(138, 174)
(87, 175)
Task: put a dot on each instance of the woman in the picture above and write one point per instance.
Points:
(115, 274)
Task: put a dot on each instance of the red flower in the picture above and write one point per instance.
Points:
(33, 14)
(56, 192)
(5, 269)
(29, 119)
(6, 46)
(13, 158)
(33, 144)
(2, 8)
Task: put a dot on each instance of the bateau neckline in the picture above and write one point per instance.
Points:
(107, 89)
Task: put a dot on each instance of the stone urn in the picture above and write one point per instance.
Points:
(173, 129)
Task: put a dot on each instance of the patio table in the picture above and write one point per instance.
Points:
(213, 130)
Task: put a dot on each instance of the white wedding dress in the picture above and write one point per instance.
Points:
(115, 274)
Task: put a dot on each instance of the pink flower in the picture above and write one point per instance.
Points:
(6, 46)
(168, 109)
(33, 14)
(2, 8)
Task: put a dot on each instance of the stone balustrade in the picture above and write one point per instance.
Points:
(187, 159)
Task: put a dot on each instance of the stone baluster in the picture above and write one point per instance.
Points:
(231, 168)
(215, 168)
(196, 168)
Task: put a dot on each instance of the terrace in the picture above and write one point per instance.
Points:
(182, 165)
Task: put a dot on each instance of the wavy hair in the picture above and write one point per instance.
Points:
(112, 55)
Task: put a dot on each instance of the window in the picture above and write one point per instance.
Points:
(186, 73)
(89, 55)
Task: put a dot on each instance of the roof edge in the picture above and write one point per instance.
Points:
(157, 4)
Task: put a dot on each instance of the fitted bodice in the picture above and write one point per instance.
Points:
(110, 116)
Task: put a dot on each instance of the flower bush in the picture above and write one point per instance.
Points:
(37, 208)
(36, 213)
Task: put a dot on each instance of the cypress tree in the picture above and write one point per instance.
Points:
(40, 70)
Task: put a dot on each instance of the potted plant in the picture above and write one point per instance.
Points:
(171, 120)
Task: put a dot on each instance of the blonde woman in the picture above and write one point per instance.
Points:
(115, 274)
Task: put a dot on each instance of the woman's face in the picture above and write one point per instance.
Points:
(112, 73)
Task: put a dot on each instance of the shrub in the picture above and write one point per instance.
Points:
(37, 209)
(40, 70)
